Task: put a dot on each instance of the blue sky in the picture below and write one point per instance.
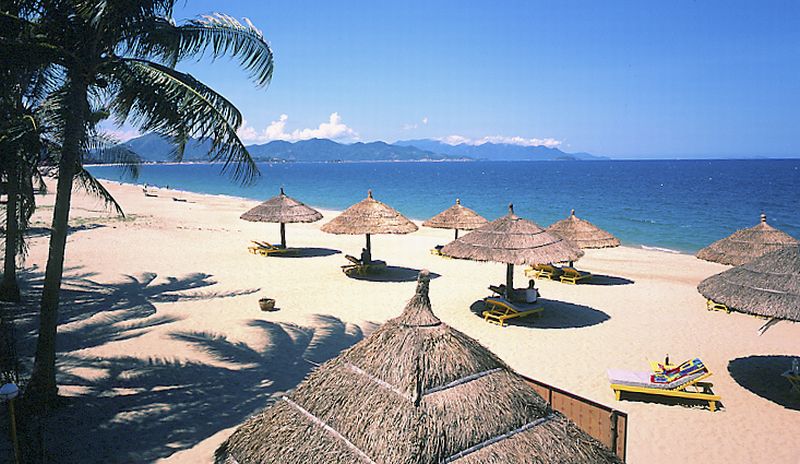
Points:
(624, 79)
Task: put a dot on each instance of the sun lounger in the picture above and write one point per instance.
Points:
(151, 195)
(685, 381)
(360, 268)
(543, 271)
(266, 248)
(499, 290)
(437, 250)
(499, 310)
(573, 276)
(712, 305)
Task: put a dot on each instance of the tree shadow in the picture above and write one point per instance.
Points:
(93, 313)
(37, 232)
(169, 405)
(311, 252)
(761, 375)
(556, 315)
(392, 274)
(602, 279)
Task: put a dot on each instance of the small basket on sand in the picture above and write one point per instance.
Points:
(267, 304)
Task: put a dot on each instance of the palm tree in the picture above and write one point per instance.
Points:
(119, 58)
(19, 84)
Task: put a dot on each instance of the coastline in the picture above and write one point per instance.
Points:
(332, 212)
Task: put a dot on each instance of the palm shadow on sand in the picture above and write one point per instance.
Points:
(392, 274)
(170, 405)
(556, 315)
(310, 252)
(103, 312)
(761, 375)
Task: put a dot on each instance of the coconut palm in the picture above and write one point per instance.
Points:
(119, 58)
(19, 86)
(29, 140)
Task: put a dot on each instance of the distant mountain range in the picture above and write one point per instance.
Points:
(498, 151)
(154, 148)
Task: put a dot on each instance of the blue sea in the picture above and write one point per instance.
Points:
(674, 205)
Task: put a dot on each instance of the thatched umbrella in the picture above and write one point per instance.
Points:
(767, 286)
(456, 217)
(583, 233)
(282, 209)
(369, 217)
(512, 240)
(414, 391)
(747, 244)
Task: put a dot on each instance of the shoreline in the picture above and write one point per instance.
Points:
(417, 221)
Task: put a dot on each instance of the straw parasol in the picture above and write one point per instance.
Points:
(456, 217)
(414, 391)
(512, 240)
(369, 217)
(583, 233)
(747, 244)
(767, 286)
(282, 209)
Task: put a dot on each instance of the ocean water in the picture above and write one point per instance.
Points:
(674, 205)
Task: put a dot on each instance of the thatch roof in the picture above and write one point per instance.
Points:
(747, 244)
(456, 217)
(282, 209)
(767, 286)
(369, 216)
(512, 240)
(414, 391)
(583, 233)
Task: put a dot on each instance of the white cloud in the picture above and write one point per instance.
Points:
(333, 129)
(516, 140)
(415, 125)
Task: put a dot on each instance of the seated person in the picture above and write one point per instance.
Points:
(526, 295)
(366, 256)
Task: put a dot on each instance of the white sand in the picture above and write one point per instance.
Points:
(617, 326)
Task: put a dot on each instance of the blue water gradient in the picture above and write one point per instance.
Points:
(680, 205)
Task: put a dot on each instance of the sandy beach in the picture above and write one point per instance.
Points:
(165, 351)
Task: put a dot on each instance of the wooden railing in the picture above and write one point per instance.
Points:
(606, 425)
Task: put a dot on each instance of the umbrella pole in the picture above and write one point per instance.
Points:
(456, 234)
(369, 245)
(509, 279)
(283, 235)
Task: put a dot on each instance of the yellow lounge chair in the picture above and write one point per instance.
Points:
(573, 276)
(543, 271)
(499, 310)
(266, 249)
(360, 268)
(437, 251)
(688, 387)
(712, 305)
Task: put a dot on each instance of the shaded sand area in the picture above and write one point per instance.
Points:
(164, 351)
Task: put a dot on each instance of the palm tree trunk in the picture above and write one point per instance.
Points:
(9, 288)
(42, 390)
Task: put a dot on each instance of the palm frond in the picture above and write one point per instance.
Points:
(92, 186)
(101, 147)
(216, 35)
(156, 98)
